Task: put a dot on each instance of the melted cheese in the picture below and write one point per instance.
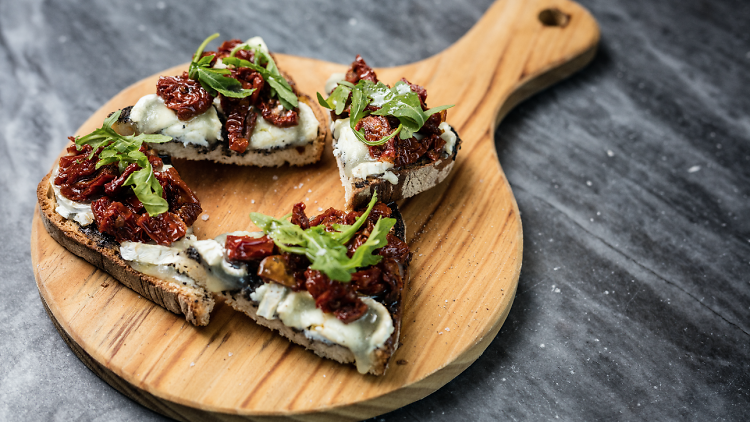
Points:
(159, 261)
(297, 310)
(267, 136)
(449, 137)
(332, 81)
(221, 275)
(391, 177)
(150, 115)
(353, 154)
(80, 212)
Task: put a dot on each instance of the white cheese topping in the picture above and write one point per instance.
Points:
(266, 136)
(257, 42)
(157, 260)
(297, 310)
(391, 177)
(355, 155)
(334, 80)
(221, 275)
(150, 115)
(80, 212)
(448, 136)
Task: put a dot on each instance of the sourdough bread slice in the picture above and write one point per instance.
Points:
(219, 152)
(410, 180)
(103, 252)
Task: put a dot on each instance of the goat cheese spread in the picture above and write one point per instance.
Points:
(80, 212)
(297, 310)
(355, 156)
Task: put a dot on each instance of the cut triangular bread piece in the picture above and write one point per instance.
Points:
(385, 139)
(357, 321)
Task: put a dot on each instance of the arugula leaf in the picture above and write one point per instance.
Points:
(327, 250)
(148, 190)
(125, 150)
(280, 88)
(363, 256)
(346, 232)
(214, 80)
(400, 102)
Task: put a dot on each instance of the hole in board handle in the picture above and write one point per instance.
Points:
(554, 17)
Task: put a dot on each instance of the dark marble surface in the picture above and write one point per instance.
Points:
(632, 178)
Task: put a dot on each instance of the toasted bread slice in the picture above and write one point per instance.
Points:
(103, 252)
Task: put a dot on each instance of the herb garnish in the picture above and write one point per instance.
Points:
(125, 150)
(327, 250)
(279, 86)
(213, 80)
(400, 102)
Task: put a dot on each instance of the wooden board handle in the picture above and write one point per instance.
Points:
(515, 50)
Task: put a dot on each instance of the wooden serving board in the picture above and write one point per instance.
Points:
(465, 235)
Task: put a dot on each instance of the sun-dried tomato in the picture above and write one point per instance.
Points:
(155, 160)
(402, 152)
(375, 127)
(392, 276)
(431, 126)
(134, 204)
(275, 113)
(436, 149)
(297, 264)
(237, 112)
(116, 219)
(183, 95)
(369, 282)
(164, 228)
(78, 177)
(396, 249)
(360, 70)
(329, 217)
(334, 297)
(299, 217)
(114, 187)
(246, 248)
(379, 210)
(226, 47)
(181, 199)
(241, 117)
(250, 79)
(358, 240)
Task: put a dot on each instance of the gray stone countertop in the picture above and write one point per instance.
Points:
(632, 178)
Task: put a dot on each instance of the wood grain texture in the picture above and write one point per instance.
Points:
(465, 234)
